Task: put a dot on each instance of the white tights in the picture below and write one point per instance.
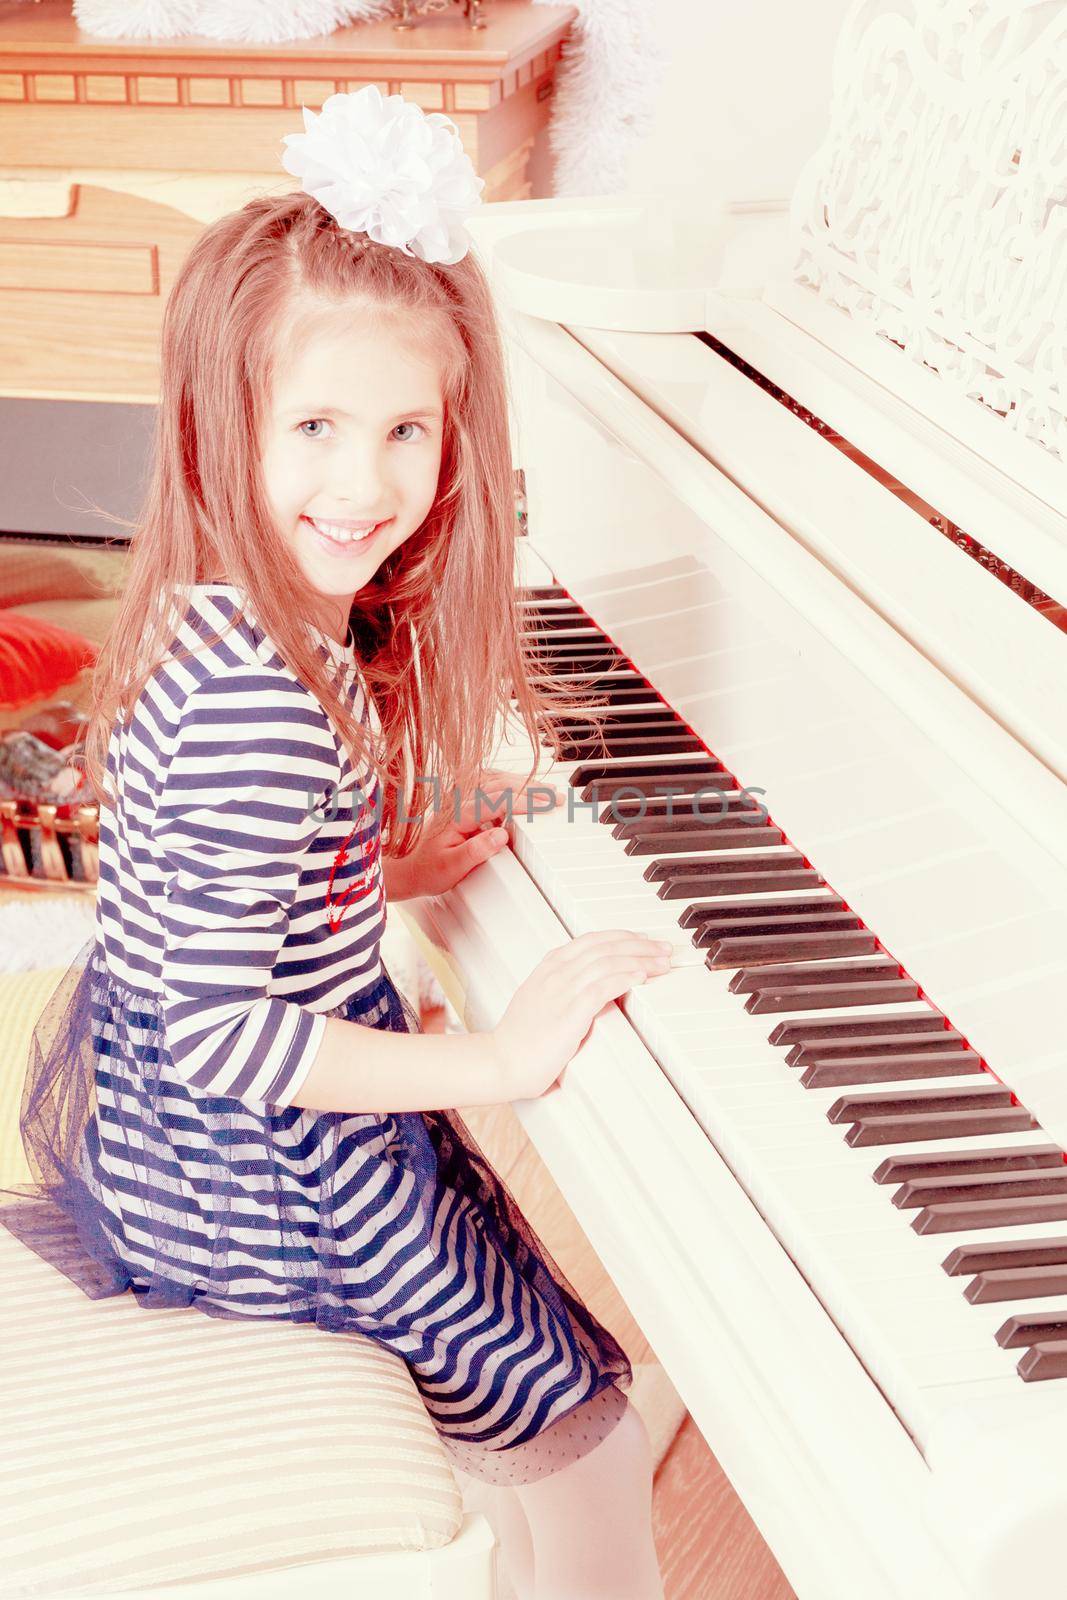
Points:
(584, 1532)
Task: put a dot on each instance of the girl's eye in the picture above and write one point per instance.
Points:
(409, 425)
(310, 421)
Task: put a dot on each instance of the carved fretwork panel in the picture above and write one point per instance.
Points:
(935, 211)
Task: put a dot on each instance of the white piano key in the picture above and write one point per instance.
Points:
(789, 1096)
(869, 1157)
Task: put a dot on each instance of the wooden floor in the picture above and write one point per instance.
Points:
(709, 1548)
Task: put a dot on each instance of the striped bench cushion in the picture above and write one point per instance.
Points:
(149, 1446)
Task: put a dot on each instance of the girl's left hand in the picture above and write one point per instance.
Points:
(451, 847)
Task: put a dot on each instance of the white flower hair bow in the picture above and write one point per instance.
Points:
(384, 167)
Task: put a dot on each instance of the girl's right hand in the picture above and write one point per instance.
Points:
(551, 1014)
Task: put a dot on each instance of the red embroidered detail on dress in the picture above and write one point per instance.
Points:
(360, 886)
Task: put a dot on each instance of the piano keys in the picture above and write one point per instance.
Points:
(793, 949)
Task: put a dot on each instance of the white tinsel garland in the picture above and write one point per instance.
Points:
(136, 19)
(255, 22)
(243, 21)
(605, 94)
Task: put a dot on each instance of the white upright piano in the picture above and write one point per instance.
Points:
(797, 498)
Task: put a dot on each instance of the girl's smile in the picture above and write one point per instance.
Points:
(340, 538)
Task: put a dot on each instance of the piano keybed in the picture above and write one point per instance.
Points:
(841, 1096)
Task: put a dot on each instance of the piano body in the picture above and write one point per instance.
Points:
(796, 487)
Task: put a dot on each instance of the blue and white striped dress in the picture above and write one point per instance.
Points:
(239, 905)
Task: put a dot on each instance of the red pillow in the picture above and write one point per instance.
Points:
(36, 658)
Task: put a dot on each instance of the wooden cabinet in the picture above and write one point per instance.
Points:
(113, 156)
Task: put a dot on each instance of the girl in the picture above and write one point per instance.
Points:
(228, 1098)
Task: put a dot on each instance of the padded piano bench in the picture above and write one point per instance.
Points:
(237, 1460)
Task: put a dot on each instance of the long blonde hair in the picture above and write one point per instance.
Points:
(436, 629)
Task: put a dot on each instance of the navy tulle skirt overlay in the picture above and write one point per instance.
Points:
(390, 1227)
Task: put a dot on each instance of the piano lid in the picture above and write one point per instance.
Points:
(916, 278)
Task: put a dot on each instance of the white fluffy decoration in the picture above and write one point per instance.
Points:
(241, 21)
(275, 21)
(44, 930)
(605, 94)
(136, 19)
(382, 166)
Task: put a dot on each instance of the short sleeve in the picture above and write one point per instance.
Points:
(236, 817)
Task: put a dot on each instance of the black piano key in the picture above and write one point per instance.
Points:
(992, 1257)
(643, 730)
(879, 1028)
(664, 773)
(555, 658)
(1043, 1361)
(750, 861)
(727, 806)
(620, 685)
(736, 872)
(919, 1192)
(851, 1107)
(577, 661)
(696, 836)
(633, 721)
(1008, 1158)
(958, 1216)
(558, 617)
(871, 993)
(731, 883)
(698, 916)
(625, 781)
(750, 949)
(890, 1069)
(1016, 1283)
(941, 1043)
(691, 831)
(584, 676)
(802, 974)
(720, 924)
(605, 791)
(1031, 1327)
(542, 591)
(582, 640)
(619, 744)
(571, 653)
(942, 1125)
(628, 691)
